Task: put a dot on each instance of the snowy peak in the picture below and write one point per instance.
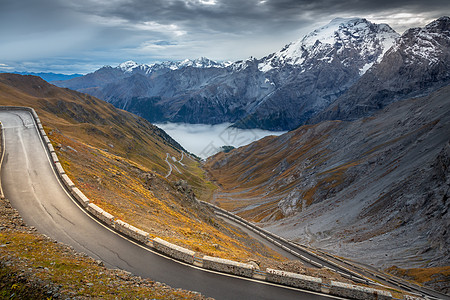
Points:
(366, 41)
(428, 45)
(128, 66)
(415, 66)
(329, 33)
(240, 65)
(133, 67)
(203, 62)
(349, 32)
(440, 25)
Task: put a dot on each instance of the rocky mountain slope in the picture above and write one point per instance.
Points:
(375, 189)
(277, 92)
(418, 64)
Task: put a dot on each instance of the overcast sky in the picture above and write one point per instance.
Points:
(80, 36)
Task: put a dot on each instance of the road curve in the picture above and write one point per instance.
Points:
(31, 185)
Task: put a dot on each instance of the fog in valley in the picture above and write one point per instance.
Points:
(206, 140)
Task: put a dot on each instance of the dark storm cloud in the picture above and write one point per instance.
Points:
(232, 15)
(98, 32)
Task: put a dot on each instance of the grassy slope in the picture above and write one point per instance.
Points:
(271, 161)
(118, 161)
(436, 278)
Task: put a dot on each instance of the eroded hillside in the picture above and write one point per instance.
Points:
(375, 189)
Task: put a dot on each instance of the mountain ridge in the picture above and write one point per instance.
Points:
(275, 92)
(416, 65)
(49, 76)
(202, 62)
(355, 29)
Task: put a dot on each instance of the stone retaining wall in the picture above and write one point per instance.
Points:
(295, 280)
(408, 297)
(174, 251)
(59, 168)
(131, 231)
(357, 292)
(227, 266)
(101, 214)
(80, 197)
(66, 180)
(54, 157)
(2, 155)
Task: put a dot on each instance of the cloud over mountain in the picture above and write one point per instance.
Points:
(54, 34)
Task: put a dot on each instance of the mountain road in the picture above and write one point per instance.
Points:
(30, 183)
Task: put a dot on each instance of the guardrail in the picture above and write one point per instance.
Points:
(228, 266)
(175, 251)
(2, 155)
(294, 279)
(357, 292)
(186, 255)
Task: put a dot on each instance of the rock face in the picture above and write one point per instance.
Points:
(278, 92)
(374, 189)
(418, 64)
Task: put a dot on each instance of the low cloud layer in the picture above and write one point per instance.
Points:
(206, 140)
(81, 35)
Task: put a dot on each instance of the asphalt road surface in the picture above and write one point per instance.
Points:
(31, 185)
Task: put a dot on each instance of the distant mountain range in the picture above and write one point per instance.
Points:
(320, 76)
(131, 67)
(50, 76)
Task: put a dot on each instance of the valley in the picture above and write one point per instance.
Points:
(111, 151)
(328, 158)
(165, 206)
(206, 140)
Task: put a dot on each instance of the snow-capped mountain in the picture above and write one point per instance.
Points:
(428, 45)
(306, 76)
(97, 82)
(129, 66)
(416, 65)
(280, 91)
(335, 41)
(203, 62)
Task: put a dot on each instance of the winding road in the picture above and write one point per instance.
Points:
(31, 185)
